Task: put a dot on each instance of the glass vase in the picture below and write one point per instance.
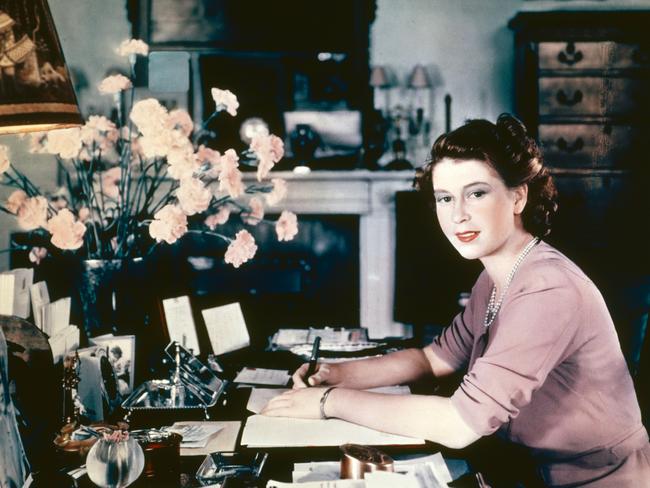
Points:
(112, 295)
(115, 464)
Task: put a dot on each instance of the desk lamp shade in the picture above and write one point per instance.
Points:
(419, 77)
(36, 93)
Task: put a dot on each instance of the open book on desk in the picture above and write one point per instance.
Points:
(262, 431)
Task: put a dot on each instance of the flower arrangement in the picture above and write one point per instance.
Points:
(144, 179)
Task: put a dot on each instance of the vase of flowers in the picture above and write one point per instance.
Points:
(140, 181)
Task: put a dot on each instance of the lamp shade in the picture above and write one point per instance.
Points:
(419, 77)
(36, 93)
(379, 77)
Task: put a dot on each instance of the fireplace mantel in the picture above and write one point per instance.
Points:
(371, 196)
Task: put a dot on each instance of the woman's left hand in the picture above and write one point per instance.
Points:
(303, 403)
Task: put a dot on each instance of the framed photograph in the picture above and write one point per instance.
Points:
(120, 351)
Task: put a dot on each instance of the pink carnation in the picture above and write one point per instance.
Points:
(110, 181)
(193, 196)
(181, 120)
(37, 254)
(269, 149)
(149, 116)
(278, 193)
(64, 142)
(205, 155)
(156, 144)
(225, 100)
(133, 46)
(230, 178)
(170, 223)
(287, 226)
(4, 159)
(15, 201)
(67, 233)
(220, 218)
(114, 84)
(32, 214)
(241, 249)
(256, 213)
(180, 157)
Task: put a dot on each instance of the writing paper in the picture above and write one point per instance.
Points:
(224, 440)
(180, 323)
(226, 328)
(262, 431)
(263, 376)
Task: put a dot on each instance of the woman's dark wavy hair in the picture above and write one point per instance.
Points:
(514, 155)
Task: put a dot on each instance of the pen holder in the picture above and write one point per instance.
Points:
(358, 460)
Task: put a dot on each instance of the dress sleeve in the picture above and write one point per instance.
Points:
(532, 334)
(454, 344)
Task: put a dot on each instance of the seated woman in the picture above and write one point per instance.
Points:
(544, 364)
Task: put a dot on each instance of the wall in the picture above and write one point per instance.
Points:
(465, 45)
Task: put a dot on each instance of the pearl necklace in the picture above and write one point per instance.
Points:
(494, 305)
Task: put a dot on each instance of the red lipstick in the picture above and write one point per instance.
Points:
(467, 236)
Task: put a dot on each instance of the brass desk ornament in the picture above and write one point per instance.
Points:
(357, 460)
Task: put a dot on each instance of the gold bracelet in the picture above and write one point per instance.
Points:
(323, 399)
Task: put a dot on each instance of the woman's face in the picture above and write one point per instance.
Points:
(477, 212)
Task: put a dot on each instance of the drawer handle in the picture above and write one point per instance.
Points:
(563, 99)
(570, 56)
(641, 56)
(563, 145)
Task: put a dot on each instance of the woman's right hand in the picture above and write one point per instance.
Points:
(322, 376)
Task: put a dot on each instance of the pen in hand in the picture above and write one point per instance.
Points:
(313, 360)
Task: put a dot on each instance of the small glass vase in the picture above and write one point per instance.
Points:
(115, 464)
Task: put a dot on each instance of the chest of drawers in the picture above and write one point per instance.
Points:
(583, 89)
(582, 82)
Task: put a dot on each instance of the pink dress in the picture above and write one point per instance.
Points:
(549, 374)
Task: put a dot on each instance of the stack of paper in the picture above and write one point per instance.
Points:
(219, 436)
(195, 435)
(14, 291)
(420, 472)
(263, 376)
(286, 338)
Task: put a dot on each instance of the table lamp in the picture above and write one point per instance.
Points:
(36, 93)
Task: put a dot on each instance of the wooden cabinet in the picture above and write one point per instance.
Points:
(582, 82)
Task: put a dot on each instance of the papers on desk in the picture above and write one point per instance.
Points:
(195, 434)
(263, 376)
(222, 437)
(319, 484)
(262, 431)
(286, 338)
(421, 472)
(261, 396)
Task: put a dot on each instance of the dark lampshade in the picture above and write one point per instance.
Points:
(36, 93)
